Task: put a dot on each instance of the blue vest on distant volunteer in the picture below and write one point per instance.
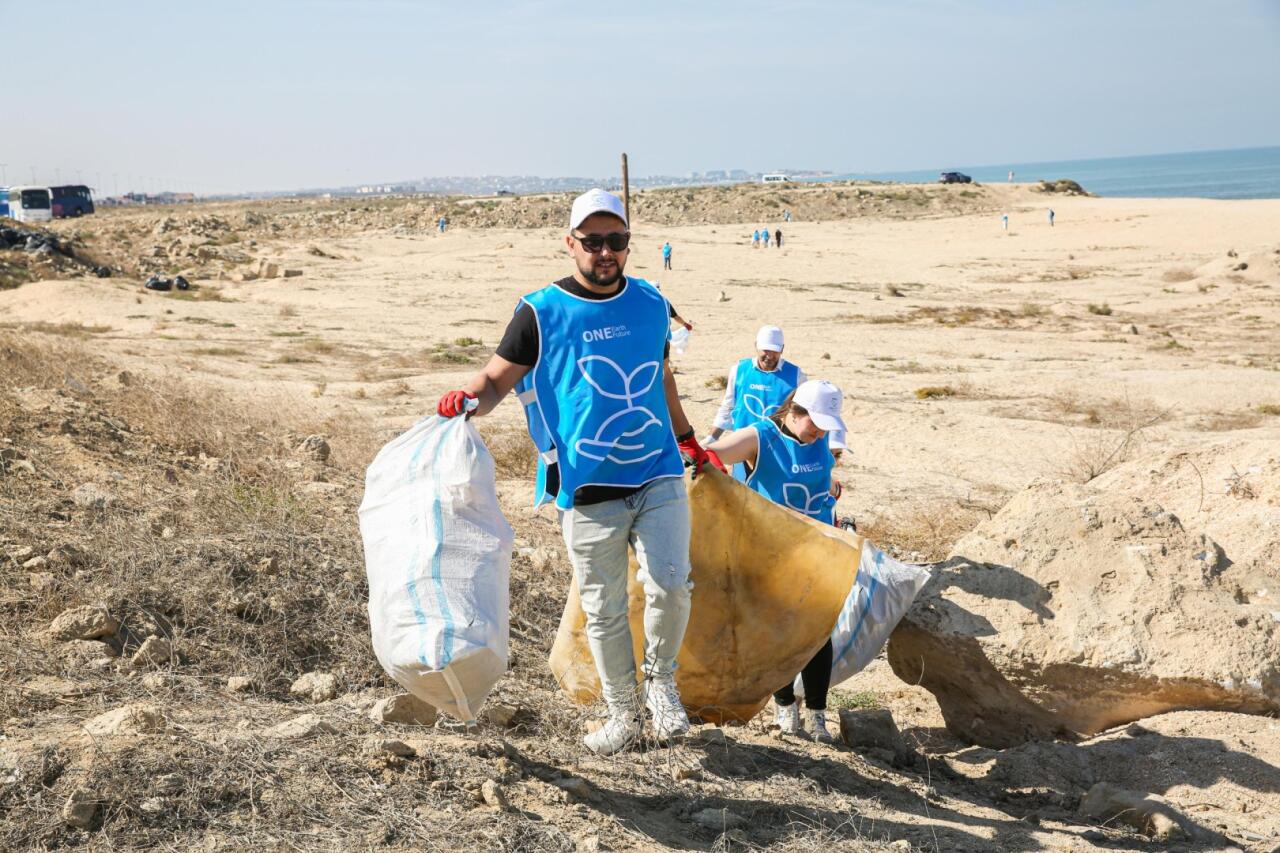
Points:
(793, 474)
(760, 393)
(595, 401)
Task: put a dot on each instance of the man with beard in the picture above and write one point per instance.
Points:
(587, 356)
(756, 387)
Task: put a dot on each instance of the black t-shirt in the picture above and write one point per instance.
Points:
(520, 345)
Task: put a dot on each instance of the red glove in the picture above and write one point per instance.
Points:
(696, 455)
(688, 326)
(453, 404)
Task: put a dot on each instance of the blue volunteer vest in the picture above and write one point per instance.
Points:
(758, 394)
(793, 474)
(594, 401)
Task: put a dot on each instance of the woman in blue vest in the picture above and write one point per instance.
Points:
(790, 464)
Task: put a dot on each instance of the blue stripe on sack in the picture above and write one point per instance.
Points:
(871, 595)
(437, 514)
(411, 585)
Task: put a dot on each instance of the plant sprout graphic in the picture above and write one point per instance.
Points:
(796, 496)
(756, 408)
(618, 438)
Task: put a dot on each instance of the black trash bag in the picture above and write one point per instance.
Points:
(158, 283)
(102, 272)
(35, 241)
(9, 237)
(181, 283)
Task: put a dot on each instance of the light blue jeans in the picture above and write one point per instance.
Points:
(655, 522)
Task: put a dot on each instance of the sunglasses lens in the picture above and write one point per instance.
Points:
(616, 241)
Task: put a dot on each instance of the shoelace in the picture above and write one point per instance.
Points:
(666, 691)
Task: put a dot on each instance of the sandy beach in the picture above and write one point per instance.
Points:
(1042, 343)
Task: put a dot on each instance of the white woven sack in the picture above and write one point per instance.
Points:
(882, 591)
(437, 552)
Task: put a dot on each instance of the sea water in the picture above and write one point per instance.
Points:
(1240, 173)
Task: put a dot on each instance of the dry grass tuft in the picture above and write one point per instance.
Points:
(1229, 421)
(1177, 275)
(718, 382)
(1120, 433)
(934, 392)
(514, 455)
(926, 532)
(63, 330)
(1238, 486)
(1103, 310)
(219, 351)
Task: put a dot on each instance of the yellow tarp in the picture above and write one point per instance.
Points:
(768, 586)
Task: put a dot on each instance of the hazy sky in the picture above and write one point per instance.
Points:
(233, 95)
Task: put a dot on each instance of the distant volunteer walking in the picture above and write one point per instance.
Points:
(764, 237)
(666, 256)
(790, 462)
(588, 357)
(755, 239)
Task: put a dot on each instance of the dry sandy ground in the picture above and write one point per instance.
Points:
(1125, 327)
(1040, 384)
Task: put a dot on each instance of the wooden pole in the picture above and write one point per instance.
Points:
(626, 189)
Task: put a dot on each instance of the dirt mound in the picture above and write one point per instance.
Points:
(1077, 608)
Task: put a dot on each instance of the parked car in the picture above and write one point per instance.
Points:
(954, 178)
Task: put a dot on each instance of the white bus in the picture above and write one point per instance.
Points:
(776, 178)
(30, 204)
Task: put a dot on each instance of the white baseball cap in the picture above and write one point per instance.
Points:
(835, 440)
(592, 201)
(822, 401)
(769, 338)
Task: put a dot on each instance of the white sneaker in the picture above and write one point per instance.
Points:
(816, 723)
(662, 698)
(788, 719)
(618, 732)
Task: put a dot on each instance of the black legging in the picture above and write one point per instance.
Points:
(816, 678)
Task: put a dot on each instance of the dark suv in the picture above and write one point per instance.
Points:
(954, 178)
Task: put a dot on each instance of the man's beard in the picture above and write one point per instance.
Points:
(590, 275)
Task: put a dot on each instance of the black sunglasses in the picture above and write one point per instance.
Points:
(617, 241)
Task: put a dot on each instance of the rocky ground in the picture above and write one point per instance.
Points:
(186, 658)
(233, 240)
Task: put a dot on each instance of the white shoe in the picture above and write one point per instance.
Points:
(788, 719)
(816, 723)
(618, 732)
(662, 698)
